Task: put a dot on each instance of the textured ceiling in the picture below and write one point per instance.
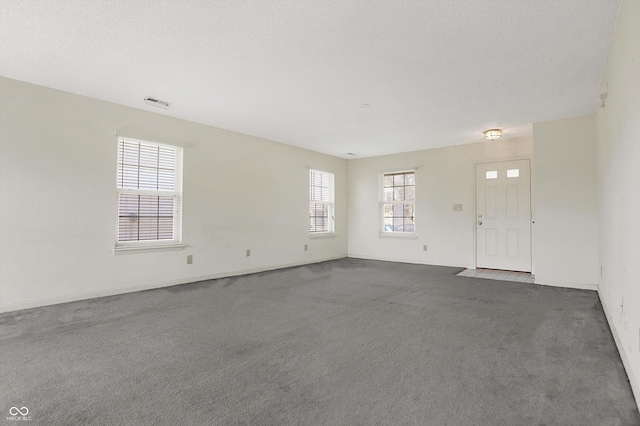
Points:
(434, 73)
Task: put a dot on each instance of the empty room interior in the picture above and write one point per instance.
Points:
(322, 213)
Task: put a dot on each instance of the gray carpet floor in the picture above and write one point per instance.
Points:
(346, 342)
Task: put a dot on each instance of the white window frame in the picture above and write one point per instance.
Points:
(396, 234)
(123, 247)
(330, 203)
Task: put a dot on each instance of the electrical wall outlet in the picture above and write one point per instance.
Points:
(305, 247)
(457, 207)
(189, 259)
(424, 247)
(248, 252)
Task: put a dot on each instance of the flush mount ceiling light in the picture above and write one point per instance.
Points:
(156, 103)
(492, 134)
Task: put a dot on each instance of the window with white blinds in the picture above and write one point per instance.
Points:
(149, 193)
(321, 202)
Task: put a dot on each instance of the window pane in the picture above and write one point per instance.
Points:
(128, 176)
(148, 178)
(318, 218)
(408, 211)
(318, 186)
(128, 228)
(165, 228)
(165, 206)
(148, 228)
(145, 217)
(398, 217)
(166, 157)
(513, 173)
(128, 205)
(129, 153)
(145, 166)
(148, 156)
(491, 174)
(409, 192)
(166, 179)
(398, 186)
(410, 178)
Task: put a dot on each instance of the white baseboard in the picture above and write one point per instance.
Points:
(567, 284)
(633, 380)
(124, 290)
(414, 262)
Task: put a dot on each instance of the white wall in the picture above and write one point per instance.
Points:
(566, 210)
(58, 200)
(444, 176)
(618, 143)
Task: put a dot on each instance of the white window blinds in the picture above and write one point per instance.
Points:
(149, 192)
(321, 202)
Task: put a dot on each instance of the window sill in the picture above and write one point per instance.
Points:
(134, 249)
(322, 235)
(400, 235)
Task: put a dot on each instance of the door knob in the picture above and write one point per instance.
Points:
(479, 222)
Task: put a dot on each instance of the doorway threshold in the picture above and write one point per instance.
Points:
(496, 274)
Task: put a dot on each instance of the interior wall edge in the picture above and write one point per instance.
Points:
(182, 281)
(404, 260)
(631, 376)
(567, 284)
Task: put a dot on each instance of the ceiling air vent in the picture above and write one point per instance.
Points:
(156, 103)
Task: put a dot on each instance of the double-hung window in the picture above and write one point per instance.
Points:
(397, 203)
(149, 194)
(321, 203)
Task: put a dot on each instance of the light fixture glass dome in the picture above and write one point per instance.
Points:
(492, 134)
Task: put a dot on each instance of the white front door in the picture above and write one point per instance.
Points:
(503, 215)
